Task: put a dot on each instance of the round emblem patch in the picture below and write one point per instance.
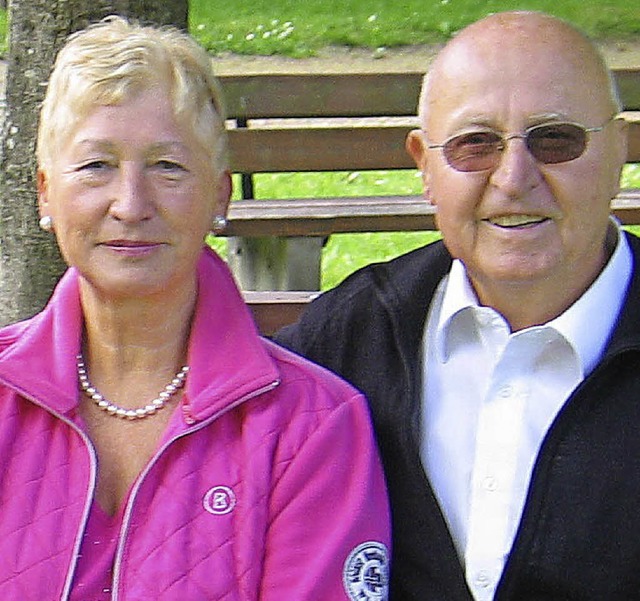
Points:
(366, 573)
(219, 500)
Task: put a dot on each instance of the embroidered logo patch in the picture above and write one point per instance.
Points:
(366, 573)
(219, 500)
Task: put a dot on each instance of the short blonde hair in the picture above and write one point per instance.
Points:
(114, 59)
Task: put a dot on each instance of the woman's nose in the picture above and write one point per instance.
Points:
(131, 197)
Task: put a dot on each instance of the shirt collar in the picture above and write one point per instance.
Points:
(458, 298)
(608, 290)
(598, 307)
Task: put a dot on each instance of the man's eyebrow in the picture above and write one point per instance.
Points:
(545, 117)
(474, 121)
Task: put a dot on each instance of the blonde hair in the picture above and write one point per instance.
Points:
(113, 60)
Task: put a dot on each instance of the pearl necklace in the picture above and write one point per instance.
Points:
(117, 411)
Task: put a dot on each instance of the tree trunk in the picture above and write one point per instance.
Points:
(30, 263)
(171, 12)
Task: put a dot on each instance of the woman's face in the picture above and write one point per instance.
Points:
(132, 195)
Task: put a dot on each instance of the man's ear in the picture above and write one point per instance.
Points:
(417, 148)
(621, 127)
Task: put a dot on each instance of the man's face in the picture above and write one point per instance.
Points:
(522, 221)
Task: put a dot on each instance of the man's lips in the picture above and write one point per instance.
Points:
(516, 221)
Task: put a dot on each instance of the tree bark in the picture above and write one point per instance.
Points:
(30, 263)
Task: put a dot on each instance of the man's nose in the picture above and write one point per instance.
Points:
(132, 200)
(517, 171)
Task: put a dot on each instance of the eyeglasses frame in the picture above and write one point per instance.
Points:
(523, 136)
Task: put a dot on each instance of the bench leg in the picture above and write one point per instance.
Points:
(276, 263)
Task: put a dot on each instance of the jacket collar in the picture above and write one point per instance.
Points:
(228, 360)
(407, 286)
(627, 331)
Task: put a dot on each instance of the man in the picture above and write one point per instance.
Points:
(503, 366)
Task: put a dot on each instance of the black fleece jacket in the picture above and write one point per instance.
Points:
(579, 537)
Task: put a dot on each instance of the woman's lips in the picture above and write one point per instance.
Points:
(132, 247)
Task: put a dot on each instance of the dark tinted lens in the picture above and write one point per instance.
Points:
(556, 143)
(474, 151)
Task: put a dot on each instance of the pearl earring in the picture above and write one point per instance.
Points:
(219, 224)
(46, 223)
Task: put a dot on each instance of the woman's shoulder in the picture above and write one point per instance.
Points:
(315, 382)
(12, 333)
(311, 395)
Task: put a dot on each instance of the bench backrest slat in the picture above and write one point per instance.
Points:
(318, 149)
(266, 96)
(633, 140)
(628, 81)
(312, 95)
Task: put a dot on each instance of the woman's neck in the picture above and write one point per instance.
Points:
(148, 335)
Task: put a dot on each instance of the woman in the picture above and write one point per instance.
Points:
(253, 474)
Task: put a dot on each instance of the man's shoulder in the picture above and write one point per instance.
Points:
(394, 277)
(367, 297)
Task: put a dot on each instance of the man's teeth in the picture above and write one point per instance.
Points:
(516, 220)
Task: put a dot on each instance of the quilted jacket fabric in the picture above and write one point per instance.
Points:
(265, 486)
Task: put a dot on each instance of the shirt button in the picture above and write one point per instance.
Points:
(490, 483)
(485, 318)
(482, 579)
(505, 391)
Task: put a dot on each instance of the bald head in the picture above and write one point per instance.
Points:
(518, 42)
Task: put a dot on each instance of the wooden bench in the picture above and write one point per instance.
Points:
(333, 122)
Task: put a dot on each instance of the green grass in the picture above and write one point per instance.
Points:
(299, 28)
(3, 32)
(302, 28)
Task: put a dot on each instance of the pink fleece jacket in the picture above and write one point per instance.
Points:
(266, 485)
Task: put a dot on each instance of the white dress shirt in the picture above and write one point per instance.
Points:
(489, 398)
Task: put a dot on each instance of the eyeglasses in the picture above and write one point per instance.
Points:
(549, 143)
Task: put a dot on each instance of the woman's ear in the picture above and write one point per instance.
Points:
(417, 148)
(42, 186)
(223, 193)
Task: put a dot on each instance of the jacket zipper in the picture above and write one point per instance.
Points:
(126, 519)
(93, 463)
